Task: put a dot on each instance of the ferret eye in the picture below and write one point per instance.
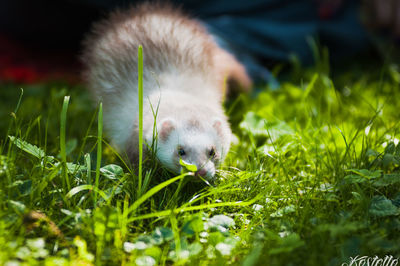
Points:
(181, 151)
(211, 153)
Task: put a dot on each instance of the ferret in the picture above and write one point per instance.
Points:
(184, 74)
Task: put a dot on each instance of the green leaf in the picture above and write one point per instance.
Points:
(82, 250)
(189, 167)
(112, 171)
(387, 180)
(35, 244)
(390, 148)
(397, 152)
(161, 235)
(78, 189)
(226, 247)
(73, 168)
(29, 148)
(396, 201)
(287, 244)
(23, 253)
(357, 196)
(286, 210)
(154, 252)
(24, 186)
(258, 126)
(253, 123)
(354, 179)
(361, 176)
(216, 237)
(371, 153)
(389, 159)
(221, 221)
(382, 207)
(194, 225)
(366, 173)
(138, 245)
(195, 249)
(17, 206)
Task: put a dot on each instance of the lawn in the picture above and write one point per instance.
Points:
(312, 178)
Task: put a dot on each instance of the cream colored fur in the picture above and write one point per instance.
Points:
(183, 78)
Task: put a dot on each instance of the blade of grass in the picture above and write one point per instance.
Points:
(99, 148)
(19, 101)
(89, 172)
(62, 142)
(140, 98)
(81, 152)
(172, 203)
(153, 191)
(13, 115)
(78, 189)
(88, 168)
(194, 208)
(115, 152)
(175, 229)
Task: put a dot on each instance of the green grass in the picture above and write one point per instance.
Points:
(312, 178)
(140, 100)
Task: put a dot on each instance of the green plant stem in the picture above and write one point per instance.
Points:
(99, 149)
(140, 99)
(62, 142)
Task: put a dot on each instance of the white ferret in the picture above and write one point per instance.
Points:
(184, 76)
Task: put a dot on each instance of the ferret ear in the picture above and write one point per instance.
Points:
(217, 124)
(167, 126)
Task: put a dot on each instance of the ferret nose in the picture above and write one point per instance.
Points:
(201, 172)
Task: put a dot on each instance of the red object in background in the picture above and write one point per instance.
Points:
(31, 65)
(20, 74)
(328, 8)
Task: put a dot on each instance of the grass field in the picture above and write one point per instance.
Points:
(313, 178)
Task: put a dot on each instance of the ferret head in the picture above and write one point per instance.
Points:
(202, 143)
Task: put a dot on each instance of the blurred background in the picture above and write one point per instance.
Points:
(41, 40)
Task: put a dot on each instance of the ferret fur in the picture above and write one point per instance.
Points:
(183, 78)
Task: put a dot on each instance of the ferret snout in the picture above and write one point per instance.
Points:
(201, 172)
(206, 171)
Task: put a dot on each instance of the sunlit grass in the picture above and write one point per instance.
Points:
(312, 178)
(140, 99)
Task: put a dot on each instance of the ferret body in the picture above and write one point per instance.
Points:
(183, 81)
